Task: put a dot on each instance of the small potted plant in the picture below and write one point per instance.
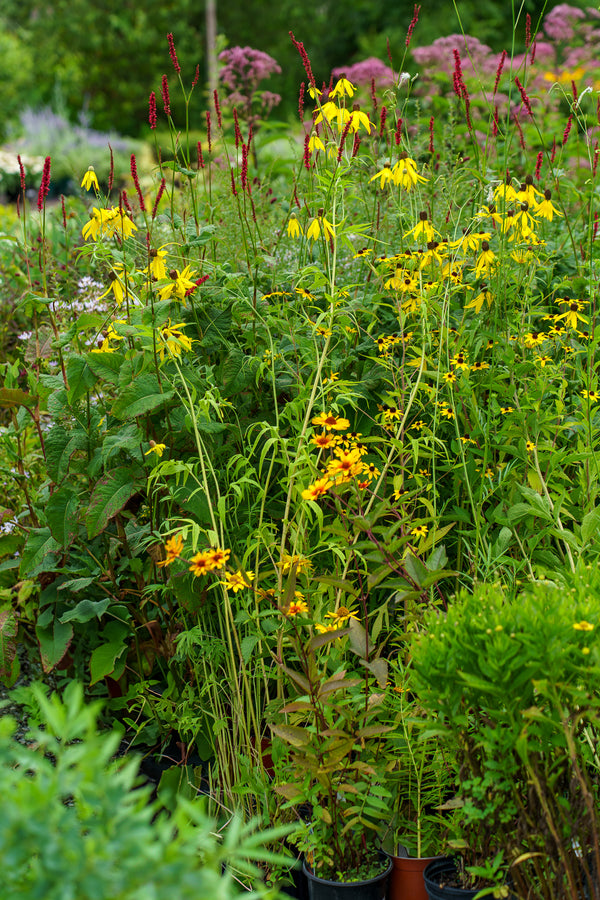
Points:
(421, 777)
(329, 761)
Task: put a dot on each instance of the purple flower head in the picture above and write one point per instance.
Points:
(243, 70)
(362, 73)
(559, 22)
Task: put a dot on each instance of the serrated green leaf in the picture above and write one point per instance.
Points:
(60, 445)
(143, 395)
(109, 496)
(40, 545)
(80, 377)
(106, 365)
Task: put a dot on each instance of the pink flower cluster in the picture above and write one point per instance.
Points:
(243, 70)
(363, 73)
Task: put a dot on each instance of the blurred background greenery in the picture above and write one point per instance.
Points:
(94, 62)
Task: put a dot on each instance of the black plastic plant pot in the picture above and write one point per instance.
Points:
(436, 876)
(372, 889)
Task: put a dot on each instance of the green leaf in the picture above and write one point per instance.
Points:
(109, 496)
(60, 445)
(12, 397)
(40, 545)
(54, 641)
(61, 515)
(104, 659)
(105, 365)
(80, 377)
(86, 610)
(142, 396)
(291, 734)
(590, 524)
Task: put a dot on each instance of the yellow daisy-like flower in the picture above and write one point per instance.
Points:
(423, 228)
(505, 410)
(293, 229)
(108, 223)
(342, 615)
(90, 180)
(419, 531)
(180, 284)
(530, 446)
(159, 449)
(315, 143)
(173, 340)
(296, 608)
(485, 261)
(583, 626)
(201, 563)
(237, 581)
(343, 87)
(217, 557)
(290, 561)
(173, 550)
(385, 176)
(331, 422)
(592, 396)
(325, 440)
(317, 489)
(345, 466)
(405, 174)
(326, 629)
(320, 225)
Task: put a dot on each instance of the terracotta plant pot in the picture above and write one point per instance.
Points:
(406, 879)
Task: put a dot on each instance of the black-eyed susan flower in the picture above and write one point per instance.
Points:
(530, 446)
(449, 377)
(316, 490)
(201, 563)
(108, 223)
(419, 531)
(592, 396)
(423, 229)
(325, 440)
(237, 581)
(90, 180)
(173, 550)
(572, 311)
(345, 466)
(217, 557)
(505, 410)
(315, 143)
(331, 422)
